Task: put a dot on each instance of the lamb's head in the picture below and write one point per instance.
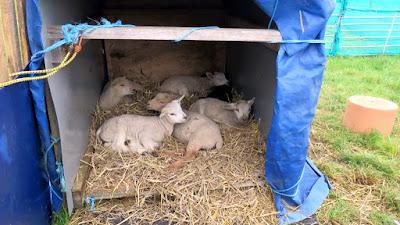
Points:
(122, 86)
(217, 78)
(241, 109)
(173, 112)
(159, 101)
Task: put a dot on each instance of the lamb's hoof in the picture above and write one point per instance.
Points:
(155, 154)
(172, 168)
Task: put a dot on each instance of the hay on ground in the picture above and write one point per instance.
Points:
(221, 186)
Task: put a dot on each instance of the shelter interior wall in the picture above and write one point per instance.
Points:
(252, 68)
(76, 88)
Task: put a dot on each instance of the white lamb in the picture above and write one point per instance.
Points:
(186, 85)
(141, 133)
(198, 132)
(114, 92)
(233, 114)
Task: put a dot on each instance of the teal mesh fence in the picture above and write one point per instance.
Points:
(364, 27)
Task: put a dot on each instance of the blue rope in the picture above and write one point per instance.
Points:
(60, 171)
(273, 14)
(297, 41)
(194, 29)
(91, 201)
(71, 31)
(277, 191)
(52, 191)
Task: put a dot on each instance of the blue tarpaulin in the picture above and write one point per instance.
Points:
(293, 177)
(34, 28)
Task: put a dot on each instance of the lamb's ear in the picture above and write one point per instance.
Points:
(230, 106)
(114, 82)
(180, 99)
(210, 76)
(251, 101)
(164, 112)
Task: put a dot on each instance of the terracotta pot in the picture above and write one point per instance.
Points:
(365, 113)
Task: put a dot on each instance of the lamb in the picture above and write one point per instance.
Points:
(186, 85)
(114, 92)
(198, 132)
(159, 101)
(141, 133)
(233, 114)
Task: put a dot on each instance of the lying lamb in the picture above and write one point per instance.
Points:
(233, 114)
(142, 133)
(186, 85)
(198, 132)
(114, 92)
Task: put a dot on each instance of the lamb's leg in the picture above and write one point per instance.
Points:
(118, 143)
(135, 146)
(191, 151)
(172, 152)
(148, 144)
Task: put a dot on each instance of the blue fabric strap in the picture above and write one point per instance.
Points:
(296, 42)
(91, 201)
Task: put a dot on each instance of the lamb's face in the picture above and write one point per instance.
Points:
(124, 86)
(217, 78)
(174, 112)
(241, 109)
(159, 101)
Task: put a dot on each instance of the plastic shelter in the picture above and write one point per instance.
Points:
(292, 176)
(359, 27)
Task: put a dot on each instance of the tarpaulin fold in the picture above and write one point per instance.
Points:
(293, 177)
(36, 87)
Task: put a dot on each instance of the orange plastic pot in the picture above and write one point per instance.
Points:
(366, 113)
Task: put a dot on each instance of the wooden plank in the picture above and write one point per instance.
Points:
(4, 68)
(238, 22)
(133, 192)
(137, 59)
(173, 33)
(21, 6)
(9, 38)
(78, 189)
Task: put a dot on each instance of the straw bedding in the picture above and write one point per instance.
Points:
(220, 186)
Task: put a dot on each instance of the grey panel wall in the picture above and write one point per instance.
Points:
(76, 88)
(252, 68)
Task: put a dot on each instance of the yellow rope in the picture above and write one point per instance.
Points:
(64, 63)
(40, 71)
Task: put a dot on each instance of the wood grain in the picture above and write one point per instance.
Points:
(173, 33)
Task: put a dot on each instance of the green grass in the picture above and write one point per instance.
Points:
(357, 161)
(60, 218)
(342, 213)
(381, 218)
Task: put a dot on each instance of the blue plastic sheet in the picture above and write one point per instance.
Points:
(295, 180)
(34, 28)
(23, 195)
